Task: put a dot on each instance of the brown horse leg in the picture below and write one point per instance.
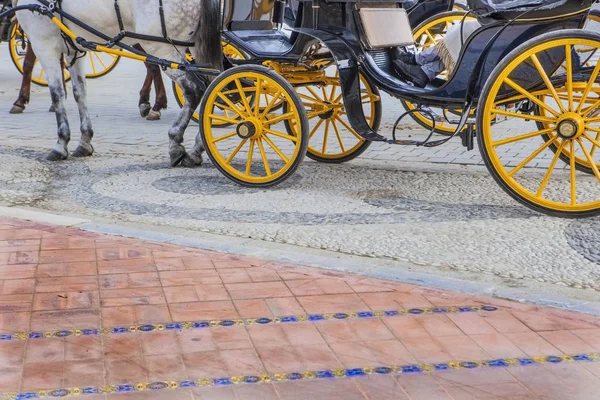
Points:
(144, 103)
(25, 91)
(161, 94)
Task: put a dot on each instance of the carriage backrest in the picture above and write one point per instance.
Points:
(529, 9)
(247, 14)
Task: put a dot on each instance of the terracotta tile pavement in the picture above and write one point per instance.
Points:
(54, 278)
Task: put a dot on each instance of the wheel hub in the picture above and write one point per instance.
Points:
(570, 126)
(329, 113)
(246, 129)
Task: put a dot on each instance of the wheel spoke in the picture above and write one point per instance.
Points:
(547, 81)
(593, 145)
(243, 95)
(257, 101)
(339, 137)
(521, 137)
(573, 183)
(314, 130)
(532, 156)
(314, 94)
(595, 142)
(281, 135)
(249, 161)
(569, 67)
(93, 63)
(270, 104)
(532, 98)
(550, 169)
(589, 86)
(333, 90)
(589, 158)
(523, 116)
(236, 150)
(591, 108)
(276, 149)
(232, 107)
(325, 137)
(263, 155)
(224, 119)
(223, 137)
(348, 127)
(307, 97)
(100, 59)
(282, 117)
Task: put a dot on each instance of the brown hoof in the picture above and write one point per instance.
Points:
(153, 115)
(145, 109)
(17, 109)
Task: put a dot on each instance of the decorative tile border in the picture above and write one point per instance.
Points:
(302, 376)
(244, 321)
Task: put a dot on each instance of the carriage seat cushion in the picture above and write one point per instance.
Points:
(537, 9)
(385, 27)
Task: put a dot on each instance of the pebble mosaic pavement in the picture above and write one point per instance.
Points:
(105, 317)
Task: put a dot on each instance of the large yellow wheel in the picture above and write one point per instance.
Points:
(426, 35)
(229, 51)
(331, 138)
(98, 64)
(255, 150)
(533, 75)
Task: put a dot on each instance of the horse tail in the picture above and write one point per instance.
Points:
(208, 36)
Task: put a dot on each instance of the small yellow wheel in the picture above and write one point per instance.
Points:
(98, 64)
(331, 138)
(533, 75)
(256, 150)
(426, 35)
(229, 51)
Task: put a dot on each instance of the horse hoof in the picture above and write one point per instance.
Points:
(52, 109)
(145, 109)
(17, 109)
(191, 161)
(81, 151)
(153, 115)
(177, 157)
(56, 156)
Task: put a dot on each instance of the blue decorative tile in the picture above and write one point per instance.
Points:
(227, 322)
(489, 308)
(383, 370)
(441, 367)
(355, 372)
(150, 328)
(120, 329)
(465, 309)
(294, 376)
(439, 310)
(554, 359)
(200, 324)
(34, 335)
(468, 364)
(251, 379)
(59, 393)
(24, 396)
(90, 390)
(411, 368)
(391, 313)
(5, 336)
(187, 384)
(263, 320)
(415, 311)
(526, 361)
(582, 357)
(325, 374)
(498, 363)
(316, 317)
(289, 319)
(340, 316)
(222, 381)
(125, 388)
(62, 333)
(366, 314)
(90, 332)
(157, 385)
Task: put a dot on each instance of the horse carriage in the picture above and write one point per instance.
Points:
(528, 62)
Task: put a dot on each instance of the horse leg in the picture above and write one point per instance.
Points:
(53, 69)
(25, 91)
(144, 103)
(193, 87)
(161, 94)
(80, 93)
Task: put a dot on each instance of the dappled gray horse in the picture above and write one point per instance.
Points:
(184, 21)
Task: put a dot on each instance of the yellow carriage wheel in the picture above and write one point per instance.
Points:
(229, 51)
(255, 150)
(98, 64)
(532, 74)
(331, 138)
(426, 35)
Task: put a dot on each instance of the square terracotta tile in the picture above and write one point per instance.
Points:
(204, 364)
(42, 375)
(12, 353)
(438, 325)
(67, 269)
(196, 340)
(191, 277)
(242, 362)
(129, 281)
(337, 331)
(513, 391)
(211, 292)
(333, 303)
(426, 350)
(497, 345)
(197, 262)
(406, 327)
(280, 359)
(539, 381)
(66, 319)
(258, 274)
(152, 314)
(9, 378)
(165, 367)
(231, 338)
(169, 264)
(214, 393)
(255, 392)
(471, 323)
(67, 243)
(17, 271)
(115, 316)
(203, 310)
(83, 373)
(411, 300)
(66, 284)
(537, 321)
(303, 334)
(126, 297)
(365, 286)
(567, 342)
(267, 335)
(284, 306)
(23, 257)
(123, 346)
(355, 354)
(309, 287)
(15, 302)
(259, 290)
(14, 322)
(156, 343)
(65, 300)
(532, 344)
(591, 336)
(390, 352)
(41, 350)
(370, 329)
(83, 348)
(126, 266)
(9, 246)
(66, 256)
(180, 294)
(462, 348)
(252, 308)
(505, 322)
(381, 301)
(123, 253)
(317, 357)
(125, 370)
(17, 286)
(382, 388)
(422, 387)
(330, 390)
(234, 275)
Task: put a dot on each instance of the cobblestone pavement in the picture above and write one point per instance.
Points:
(393, 202)
(102, 317)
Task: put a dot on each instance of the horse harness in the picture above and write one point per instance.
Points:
(56, 5)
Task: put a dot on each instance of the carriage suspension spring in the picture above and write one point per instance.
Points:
(413, 142)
